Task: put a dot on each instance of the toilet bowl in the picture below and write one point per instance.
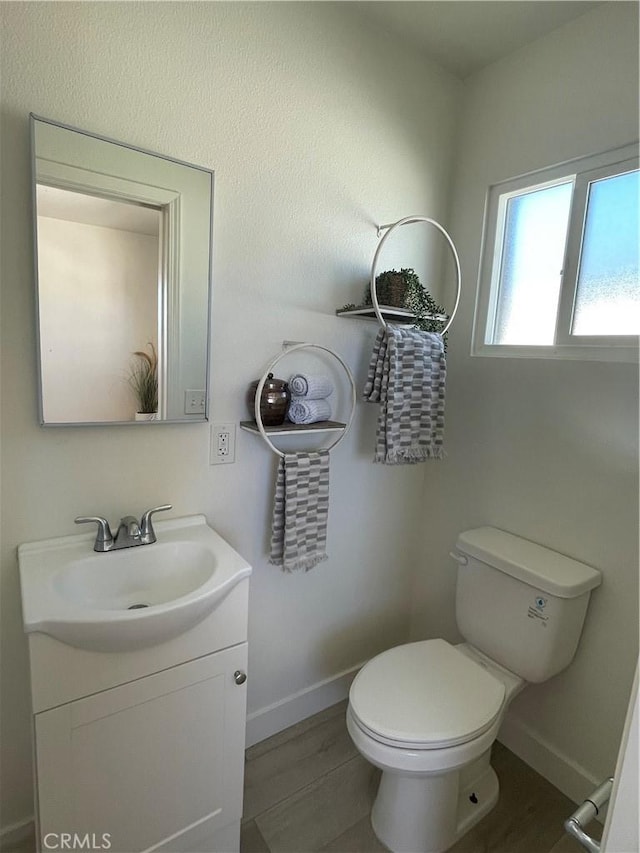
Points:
(427, 713)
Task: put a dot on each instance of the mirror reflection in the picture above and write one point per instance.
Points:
(123, 247)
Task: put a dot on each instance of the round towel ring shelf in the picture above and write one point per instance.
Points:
(286, 351)
(391, 228)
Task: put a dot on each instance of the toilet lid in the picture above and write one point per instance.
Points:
(425, 695)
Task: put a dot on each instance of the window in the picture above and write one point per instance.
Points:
(559, 273)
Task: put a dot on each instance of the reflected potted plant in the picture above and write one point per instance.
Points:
(143, 379)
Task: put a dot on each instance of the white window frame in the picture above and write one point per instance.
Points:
(580, 172)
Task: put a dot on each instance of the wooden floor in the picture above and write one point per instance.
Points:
(307, 789)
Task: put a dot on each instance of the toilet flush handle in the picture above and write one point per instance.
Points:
(459, 558)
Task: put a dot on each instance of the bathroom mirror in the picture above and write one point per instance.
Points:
(123, 270)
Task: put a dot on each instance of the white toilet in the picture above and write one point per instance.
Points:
(427, 713)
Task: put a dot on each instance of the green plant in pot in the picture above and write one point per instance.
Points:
(143, 379)
(403, 290)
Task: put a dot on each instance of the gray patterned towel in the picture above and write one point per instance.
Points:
(300, 511)
(407, 377)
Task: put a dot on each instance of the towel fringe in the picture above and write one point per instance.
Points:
(305, 564)
(410, 456)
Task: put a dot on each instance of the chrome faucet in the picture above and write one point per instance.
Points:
(129, 533)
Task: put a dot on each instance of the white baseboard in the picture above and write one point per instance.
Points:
(17, 834)
(292, 709)
(566, 774)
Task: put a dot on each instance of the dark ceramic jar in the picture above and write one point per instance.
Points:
(274, 400)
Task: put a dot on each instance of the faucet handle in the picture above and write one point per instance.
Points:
(104, 538)
(146, 527)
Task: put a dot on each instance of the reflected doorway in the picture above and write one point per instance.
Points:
(102, 297)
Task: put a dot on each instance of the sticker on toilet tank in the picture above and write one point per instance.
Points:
(537, 610)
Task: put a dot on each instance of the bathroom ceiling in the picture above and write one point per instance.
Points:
(465, 35)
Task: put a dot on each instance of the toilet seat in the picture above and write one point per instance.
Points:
(425, 695)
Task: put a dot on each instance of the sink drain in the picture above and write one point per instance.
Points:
(137, 606)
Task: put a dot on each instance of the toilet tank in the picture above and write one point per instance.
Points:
(521, 604)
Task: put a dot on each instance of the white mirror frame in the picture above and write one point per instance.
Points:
(71, 177)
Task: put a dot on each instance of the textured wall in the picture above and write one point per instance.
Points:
(545, 449)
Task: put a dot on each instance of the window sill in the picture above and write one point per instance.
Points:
(625, 354)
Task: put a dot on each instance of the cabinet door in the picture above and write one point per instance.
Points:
(152, 765)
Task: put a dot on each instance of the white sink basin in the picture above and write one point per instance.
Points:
(130, 598)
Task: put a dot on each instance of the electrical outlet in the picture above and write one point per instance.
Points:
(194, 401)
(223, 444)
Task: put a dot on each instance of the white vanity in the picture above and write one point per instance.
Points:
(138, 668)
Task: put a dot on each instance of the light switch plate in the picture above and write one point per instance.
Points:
(194, 400)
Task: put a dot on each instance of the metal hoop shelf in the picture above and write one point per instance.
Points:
(387, 313)
(257, 426)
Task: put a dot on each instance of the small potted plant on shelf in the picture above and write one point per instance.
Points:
(143, 378)
(404, 290)
(392, 287)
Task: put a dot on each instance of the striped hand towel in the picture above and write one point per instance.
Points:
(407, 377)
(300, 511)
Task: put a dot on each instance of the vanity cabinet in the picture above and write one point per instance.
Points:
(155, 764)
(138, 713)
(143, 750)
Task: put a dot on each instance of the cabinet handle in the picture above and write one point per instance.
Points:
(239, 676)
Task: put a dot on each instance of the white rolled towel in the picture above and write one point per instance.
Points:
(303, 411)
(311, 386)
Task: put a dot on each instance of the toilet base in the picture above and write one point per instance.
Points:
(428, 814)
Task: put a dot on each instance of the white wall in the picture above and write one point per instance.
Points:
(98, 304)
(314, 137)
(545, 449)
